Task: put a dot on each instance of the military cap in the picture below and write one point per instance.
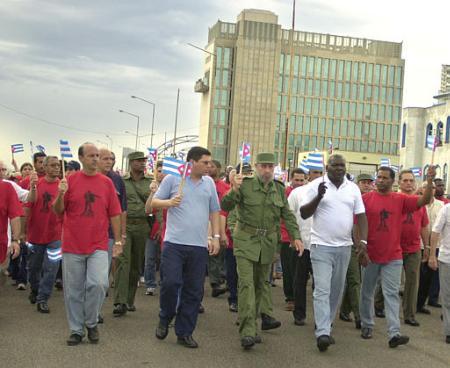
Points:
(136, 156)
(364, 177)
(265, 158)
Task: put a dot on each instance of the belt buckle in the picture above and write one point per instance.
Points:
(261, 232)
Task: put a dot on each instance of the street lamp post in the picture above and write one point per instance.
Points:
(137, 126)
(153, 116)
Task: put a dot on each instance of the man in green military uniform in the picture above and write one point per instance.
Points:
(131, 261)
(260, 203)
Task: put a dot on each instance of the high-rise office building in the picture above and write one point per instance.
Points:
(344, 89)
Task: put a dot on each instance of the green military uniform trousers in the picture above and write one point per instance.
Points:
(254, 294)
(350, 301)
(130, 262)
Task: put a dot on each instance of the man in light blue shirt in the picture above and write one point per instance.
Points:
(185, 250)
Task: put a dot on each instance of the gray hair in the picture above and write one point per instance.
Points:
(48, 158)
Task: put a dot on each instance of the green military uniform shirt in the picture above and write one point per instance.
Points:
(259, 208)
(136, 205)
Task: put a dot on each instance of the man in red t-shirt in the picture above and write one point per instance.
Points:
(44, 236)
(414, 227)
(10, 210)
(38, 163)
(383, 257)
(89, 203)
(216, 265)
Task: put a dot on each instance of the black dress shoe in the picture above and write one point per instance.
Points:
(247, 342)
(162, 330)
(269, 323)
(447, 339)
(345, 317)
(299, 321)
(201, 309)
(32, 297)
(93, 335)
(258, 339)
(412, 322)
(380, 313)
(435, 305)
(218, 290)
(74, 339)
(423, 310)
(131, 308)
(233, 307)
(323, 342)
(366, 333)
(398, 340)
(42, 307)
(187, 341)
(120, 310)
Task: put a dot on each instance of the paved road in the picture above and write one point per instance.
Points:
(30, 339)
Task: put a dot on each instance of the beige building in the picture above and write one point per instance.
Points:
(420, 122)
(344, 89)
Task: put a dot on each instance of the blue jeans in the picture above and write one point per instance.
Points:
(184, 269)
(232, 276)
(390, 274)
(329, 266)
(85, 284)
(41, 270)
(151, 252)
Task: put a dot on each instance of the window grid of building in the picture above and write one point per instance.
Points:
(355, 104)
(222, 101)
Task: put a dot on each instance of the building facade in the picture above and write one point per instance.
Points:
(418, 123)
(345, 90)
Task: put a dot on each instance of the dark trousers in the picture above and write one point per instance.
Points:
(426, 278)
(184, 269)
(288, 257)
(302, 271)
(232, 276)
(18, 266)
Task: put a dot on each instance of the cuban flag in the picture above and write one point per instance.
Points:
(432, 142)
(385, 162)
(417, 171)
(395, 168)
(304, 166)
(40, 148)
(54, 254)
(315, 161)
(65, 149)
(16, 148)
(244, 152)
(172, 166)
(152, 157)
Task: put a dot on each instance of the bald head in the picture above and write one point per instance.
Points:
(106, 160)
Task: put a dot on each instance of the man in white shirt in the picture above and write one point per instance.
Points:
(441, 229)
(303, 263)
(332, 202)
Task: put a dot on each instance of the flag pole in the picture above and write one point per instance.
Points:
(63, 167)
(183, 178)
(242, 159)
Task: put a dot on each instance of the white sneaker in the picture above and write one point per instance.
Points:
(21, 286)
(142, 280)
(150, 291)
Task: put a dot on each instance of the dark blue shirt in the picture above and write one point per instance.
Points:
(121, 194)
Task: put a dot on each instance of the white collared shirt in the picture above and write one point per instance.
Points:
(442, 227)
(296, 200)
(334, 217)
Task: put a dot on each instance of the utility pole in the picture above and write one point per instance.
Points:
(176, 122)
(288, 102)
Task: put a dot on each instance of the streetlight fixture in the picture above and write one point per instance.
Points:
(137, 126)
(153, 117)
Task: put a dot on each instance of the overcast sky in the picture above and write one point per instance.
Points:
(75, 63)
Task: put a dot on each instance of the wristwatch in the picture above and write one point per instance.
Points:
(216, 236)
(118, 243)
